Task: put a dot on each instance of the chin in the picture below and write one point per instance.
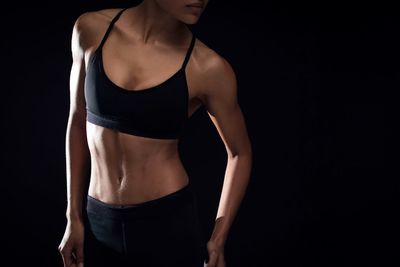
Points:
(190, 19)
(191, 22)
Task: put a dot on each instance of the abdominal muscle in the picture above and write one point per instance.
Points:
(127, 169)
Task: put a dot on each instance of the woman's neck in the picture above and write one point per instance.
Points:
(151, 23)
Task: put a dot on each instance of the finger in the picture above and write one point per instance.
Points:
(73, 260)
(79, 255)
(213, 259)
(67, 257)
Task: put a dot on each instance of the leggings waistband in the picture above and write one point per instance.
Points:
(154, 207)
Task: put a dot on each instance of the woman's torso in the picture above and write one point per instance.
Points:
(126, 168)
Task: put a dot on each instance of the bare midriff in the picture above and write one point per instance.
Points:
(127, 169)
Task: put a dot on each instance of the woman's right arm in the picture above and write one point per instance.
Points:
(76, 147)
(77, 151)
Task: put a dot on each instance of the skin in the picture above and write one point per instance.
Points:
(127, 169)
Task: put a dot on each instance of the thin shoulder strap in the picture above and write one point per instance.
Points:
(189, 51)
(116, 17)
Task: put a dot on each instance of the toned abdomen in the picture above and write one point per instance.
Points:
(130, 169)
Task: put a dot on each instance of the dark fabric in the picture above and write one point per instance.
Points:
(158, 112)
(161, 232)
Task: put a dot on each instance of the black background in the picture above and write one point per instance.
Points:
(316, 84)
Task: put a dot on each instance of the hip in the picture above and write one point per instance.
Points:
(168, 227)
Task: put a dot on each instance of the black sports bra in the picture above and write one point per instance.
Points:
(158, 112)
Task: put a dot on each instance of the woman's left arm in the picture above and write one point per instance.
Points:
(220, 95)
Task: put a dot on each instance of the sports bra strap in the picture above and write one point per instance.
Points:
(189, 51)
(116, 17)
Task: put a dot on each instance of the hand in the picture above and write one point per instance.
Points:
(215, 254)
(71, 246)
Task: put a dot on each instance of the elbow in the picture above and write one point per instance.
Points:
(245, 152)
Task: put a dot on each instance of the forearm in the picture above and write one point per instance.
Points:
(77, 164)
(234, 187)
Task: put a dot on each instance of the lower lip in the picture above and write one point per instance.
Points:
(195, 8)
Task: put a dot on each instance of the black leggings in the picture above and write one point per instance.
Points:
(162, 232)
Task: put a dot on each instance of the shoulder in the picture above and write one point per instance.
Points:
(215, 72)
(89, 27)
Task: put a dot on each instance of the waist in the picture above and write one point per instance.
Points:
(155, 207)
(135, 185)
